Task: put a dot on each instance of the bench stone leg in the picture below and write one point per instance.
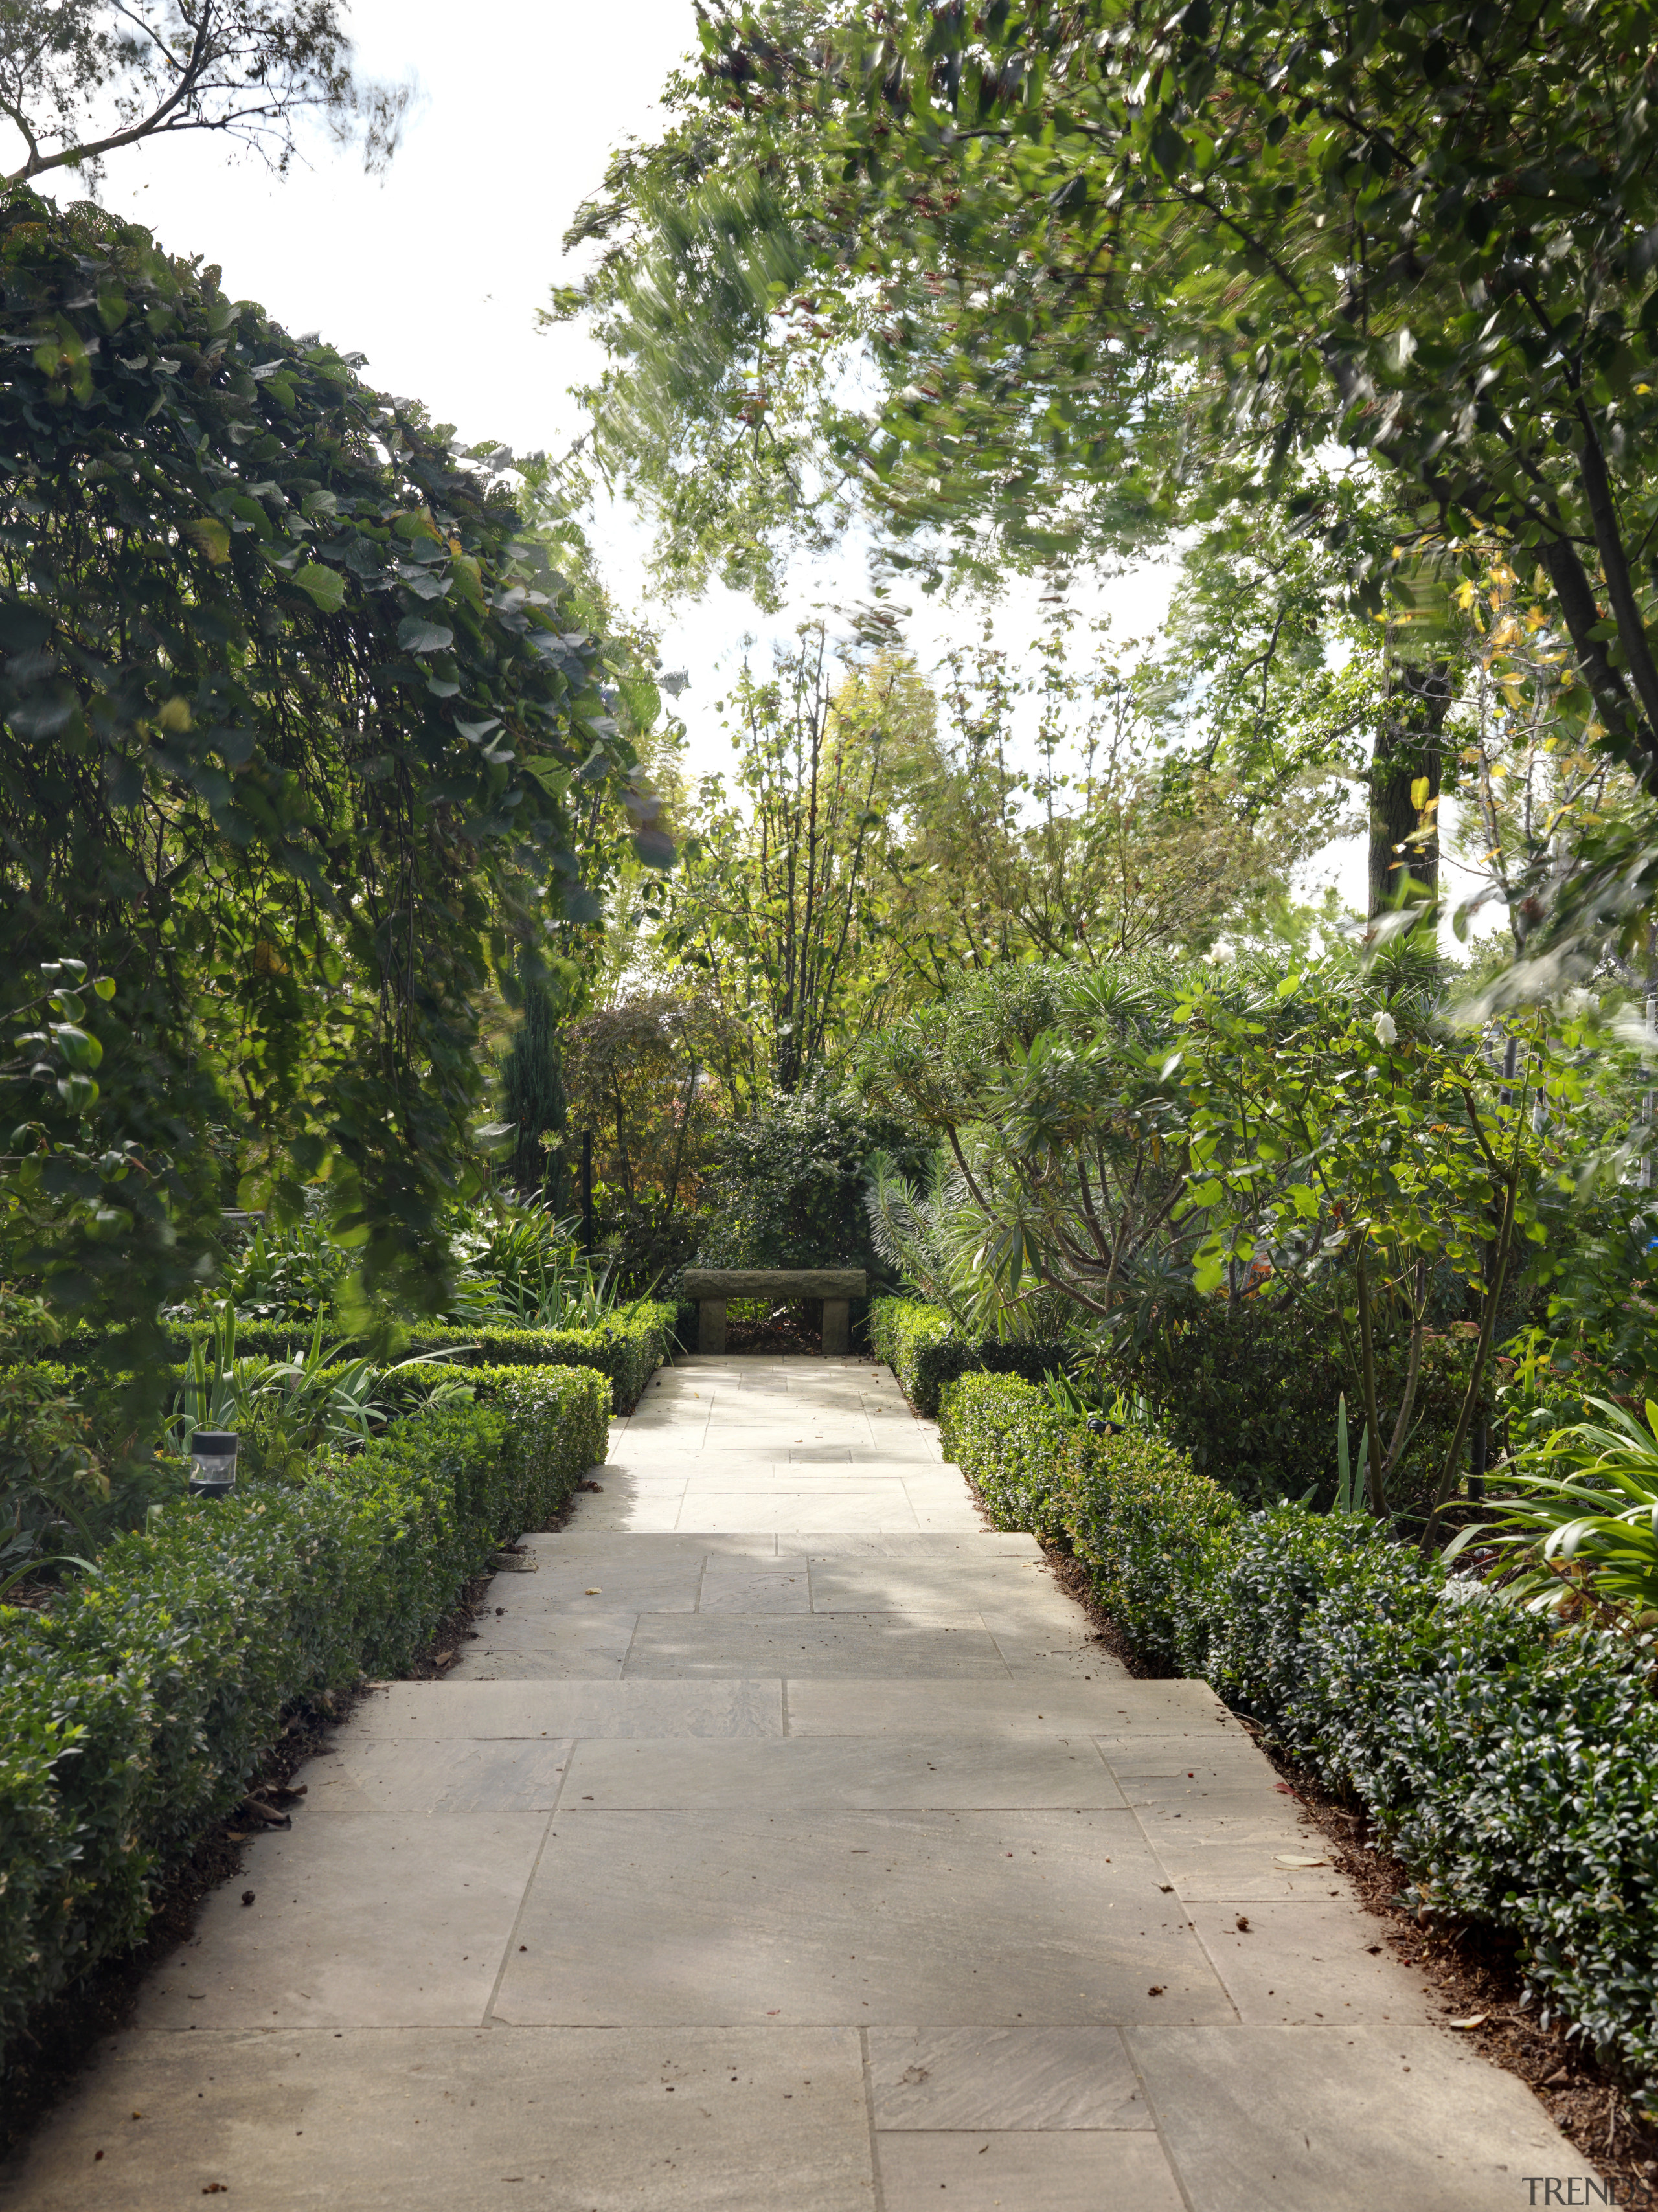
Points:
(711, 1325)
(837, 1335)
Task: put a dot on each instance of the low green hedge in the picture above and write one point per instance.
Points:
(628, 1350)
(1513, 1769)
(133, 1711)
(924, 1348)
(1007, 1436)
(1150, 1529)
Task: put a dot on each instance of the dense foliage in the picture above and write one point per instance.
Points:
(1424, 232)
(1511, 1769)
(1251, 1391)
(301, 730)
(135, 1710)
(651, 1080)
(788, 1188)
(1254, 1188)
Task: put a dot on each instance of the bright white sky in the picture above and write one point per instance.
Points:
(436, 271)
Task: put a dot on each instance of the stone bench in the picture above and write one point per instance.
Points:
(711, 1286)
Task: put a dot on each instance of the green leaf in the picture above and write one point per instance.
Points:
(79, 1049)
(325, 586)
(416, 634)
(210, 537)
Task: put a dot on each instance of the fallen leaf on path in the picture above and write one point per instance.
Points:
(1474, 2019)
(267, 1814)
(1291, 1859)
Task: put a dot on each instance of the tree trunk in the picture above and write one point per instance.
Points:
(1407, 750)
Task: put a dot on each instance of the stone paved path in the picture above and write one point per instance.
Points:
(785, 1842)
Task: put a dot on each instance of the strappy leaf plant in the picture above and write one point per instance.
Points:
(1578, 1523)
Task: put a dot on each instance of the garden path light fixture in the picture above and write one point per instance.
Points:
(213, 1453)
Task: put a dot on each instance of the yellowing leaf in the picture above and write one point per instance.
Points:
(210, 538)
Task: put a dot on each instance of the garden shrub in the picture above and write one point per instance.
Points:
(132, 1712)
(787, 1188)
(1274, 1641)
(922, 1347)
(1150, 1529)
(628, 1349)
(1006, 1436)
(1251, 1391)
(65, 1484)
(1511, 1766)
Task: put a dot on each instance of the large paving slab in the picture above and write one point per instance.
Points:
(783, 1837)
(492, 2120)
(851, 1773)
(874, 1916)
(358, 1920)
(478, 1709)
(1364, 2117)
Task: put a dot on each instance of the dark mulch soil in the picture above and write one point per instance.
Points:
(1474, 1967)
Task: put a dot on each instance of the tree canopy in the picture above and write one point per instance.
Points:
(82, 79)
(1035, 281)
(306, 739)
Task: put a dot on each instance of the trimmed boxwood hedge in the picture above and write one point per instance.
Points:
(1007, 1436)
(924, 1348)
(1513, 1769)
(628, 1350)
(133, 1711)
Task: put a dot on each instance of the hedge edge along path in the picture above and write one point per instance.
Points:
(924, 1350)
(1512, 1769)
(628, 1350)
(132, 1713)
